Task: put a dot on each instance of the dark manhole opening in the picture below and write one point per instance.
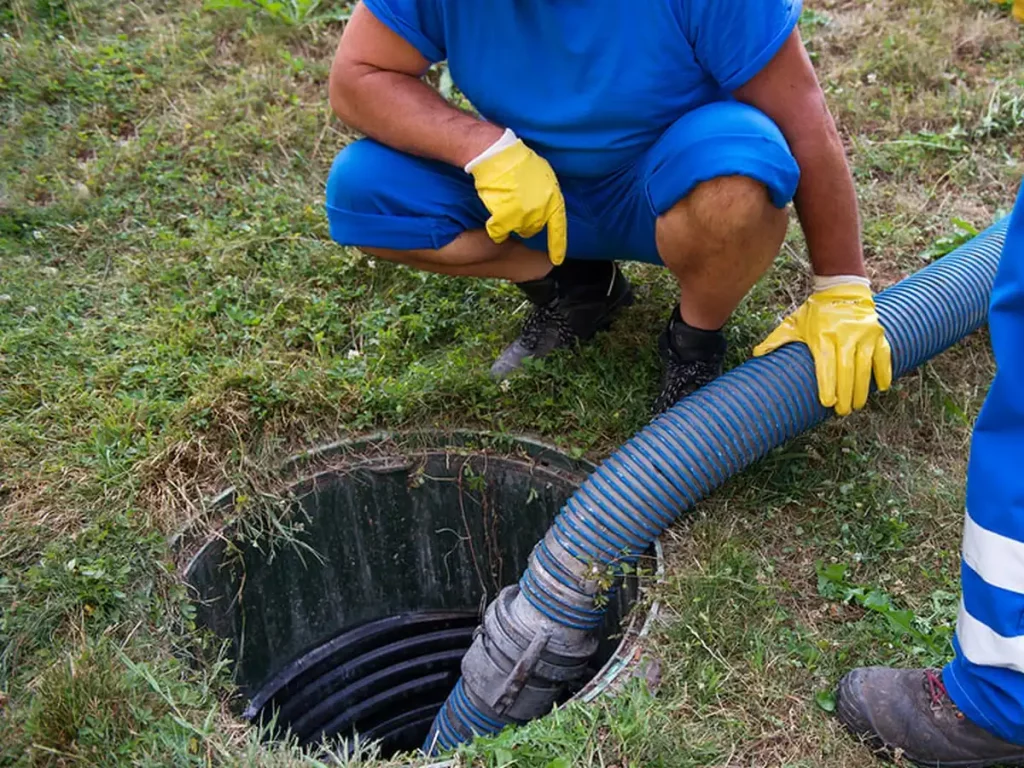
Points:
(412, 540)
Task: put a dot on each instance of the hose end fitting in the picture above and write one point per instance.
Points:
(516, 669)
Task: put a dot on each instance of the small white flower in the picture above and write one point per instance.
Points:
(37, 235)
(505, 385)
(30, 310)
(371, 263)
(354, 354)
(872, 78)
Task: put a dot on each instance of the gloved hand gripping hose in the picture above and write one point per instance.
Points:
(537, 637)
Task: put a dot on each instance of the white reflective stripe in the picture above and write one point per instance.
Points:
(986, 647)
(997, 559)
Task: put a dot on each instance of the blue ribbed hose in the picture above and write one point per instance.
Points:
(668, 467)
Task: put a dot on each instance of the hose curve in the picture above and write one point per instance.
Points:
(536, 637)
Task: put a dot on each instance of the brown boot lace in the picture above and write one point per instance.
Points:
(937, 690)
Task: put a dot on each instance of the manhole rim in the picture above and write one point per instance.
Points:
(629, 653)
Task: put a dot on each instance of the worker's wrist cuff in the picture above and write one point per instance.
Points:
(507, 140)
(834, 281)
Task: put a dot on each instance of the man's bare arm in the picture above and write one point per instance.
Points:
(376, 87)
(787, 90)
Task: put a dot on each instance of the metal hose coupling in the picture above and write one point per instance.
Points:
(521, 662)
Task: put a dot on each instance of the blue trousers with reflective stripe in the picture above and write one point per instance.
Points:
(986, 678)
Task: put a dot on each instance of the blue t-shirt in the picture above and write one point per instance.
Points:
(591, 84)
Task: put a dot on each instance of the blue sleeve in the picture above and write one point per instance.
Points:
(418, 22)
(734, 39)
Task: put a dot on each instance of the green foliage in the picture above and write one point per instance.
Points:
(1004, 115)
(86, 706)
(58, 14)
(105, 575)
(290, 12)
(611, 575)
(627, 729)
(811, 18)
(963, 233)
(929, 638)
(826, 700)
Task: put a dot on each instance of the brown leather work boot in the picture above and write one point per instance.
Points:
(907, 713)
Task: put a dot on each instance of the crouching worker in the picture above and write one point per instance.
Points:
(971, 713)
(674, 132)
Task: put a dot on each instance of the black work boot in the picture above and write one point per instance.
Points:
(575, 301)
(908, 714)
(692, 358)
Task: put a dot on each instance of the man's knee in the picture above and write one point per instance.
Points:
(381, 198)
(357, 180)
(731, 209)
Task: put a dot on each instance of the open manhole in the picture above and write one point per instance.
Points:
(360, 624)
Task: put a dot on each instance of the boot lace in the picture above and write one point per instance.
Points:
(540, 321)
(683, 379)
(937, 690)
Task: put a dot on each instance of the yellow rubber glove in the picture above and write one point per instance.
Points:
(522, 193)
(841, 328)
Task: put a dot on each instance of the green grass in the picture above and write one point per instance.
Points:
(174, 319)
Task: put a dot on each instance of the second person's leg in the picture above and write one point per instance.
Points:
(971, 713)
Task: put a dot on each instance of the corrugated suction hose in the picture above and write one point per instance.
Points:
(537, 636)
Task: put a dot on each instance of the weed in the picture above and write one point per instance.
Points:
(964, 231)
(812, 17)
(84, 705)
(1004, 115)
(610, 577)
(626, 730)
(925, 636)
(290, 12)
